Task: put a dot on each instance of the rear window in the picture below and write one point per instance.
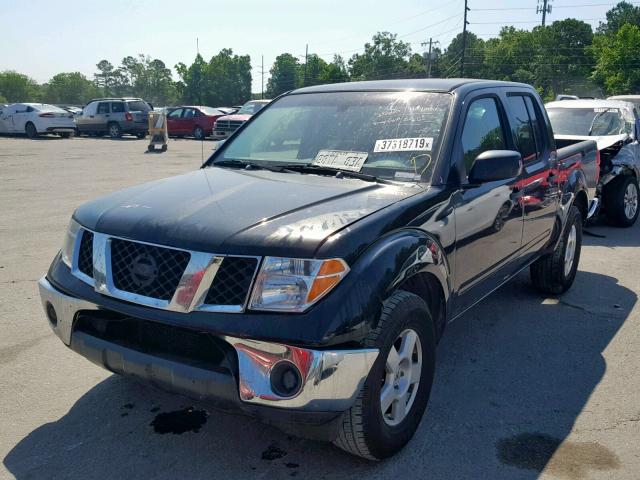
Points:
(45, 107)
(103, 107)
(211, 111)
(251, 108)
(139, 106)
(117, 107)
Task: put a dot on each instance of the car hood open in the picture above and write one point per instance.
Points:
(252, 212)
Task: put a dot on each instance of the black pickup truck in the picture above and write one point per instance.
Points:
(305, 274)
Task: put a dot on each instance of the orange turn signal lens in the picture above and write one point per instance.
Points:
(330, 273)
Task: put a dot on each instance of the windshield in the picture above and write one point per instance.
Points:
(250, 108)
(599, 121)
(390, 134)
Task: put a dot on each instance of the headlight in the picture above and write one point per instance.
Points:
(70, 242)
(294, 284)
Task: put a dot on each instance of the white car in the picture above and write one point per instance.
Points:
(33, 119)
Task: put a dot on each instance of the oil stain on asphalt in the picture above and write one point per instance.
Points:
(570, 460)
(179, 421)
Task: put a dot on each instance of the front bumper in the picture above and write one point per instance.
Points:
(329, 379)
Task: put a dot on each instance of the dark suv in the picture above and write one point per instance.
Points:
(115, 117)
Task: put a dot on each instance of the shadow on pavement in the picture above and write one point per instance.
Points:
(512, 377)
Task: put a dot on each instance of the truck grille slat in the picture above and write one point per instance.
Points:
(147, 270)
(232, 282)
(85, 253)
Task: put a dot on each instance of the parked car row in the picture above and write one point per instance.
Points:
(123, 115)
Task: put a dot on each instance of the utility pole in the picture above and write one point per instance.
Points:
(429, 58)
(262, 74)
(464, 37)
(306, 54)
(544, 9)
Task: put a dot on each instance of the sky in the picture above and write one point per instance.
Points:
(41, 38)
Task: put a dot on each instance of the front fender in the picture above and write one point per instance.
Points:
(384, 266)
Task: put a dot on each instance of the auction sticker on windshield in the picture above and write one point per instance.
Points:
(340, 159)
(403, 145)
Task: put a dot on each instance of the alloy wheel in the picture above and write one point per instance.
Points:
(403, 369)
(631, 200)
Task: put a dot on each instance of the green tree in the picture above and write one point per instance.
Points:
(622, 13)
(17, 87)
(314, 71)
(335, 72)
(618, 59)
(284, 75)
(227, 79)
(191, 80)
(71, 88)
(385, 57)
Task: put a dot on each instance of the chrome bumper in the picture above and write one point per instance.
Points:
(330, 379)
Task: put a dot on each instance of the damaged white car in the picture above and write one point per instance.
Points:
(615, 126)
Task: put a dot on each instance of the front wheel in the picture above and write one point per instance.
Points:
(141, 135)
(621, 202)
(389, 407)
(114, 130)
(30, 130)
(555, 272)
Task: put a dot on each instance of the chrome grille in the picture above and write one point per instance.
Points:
(85, 253)
(232, 281)
(147, 270)
(228, 125)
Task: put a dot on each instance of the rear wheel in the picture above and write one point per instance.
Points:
(65, 135)
(30, 130)
(390, 406)
(198, 133)
(141, 135)
(621, 201)
(114, 130)
(555, 272)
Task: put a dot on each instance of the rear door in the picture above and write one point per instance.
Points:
(189, 120)
(538, 185)
(6, 122)
(20, 116)
(488, 216)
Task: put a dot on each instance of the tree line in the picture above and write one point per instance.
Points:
(567, 56)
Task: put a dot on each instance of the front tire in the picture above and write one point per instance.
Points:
(621, 202)
(390, 405)
(555, 272)
(141, 135)
(30, 130)
(114, 130)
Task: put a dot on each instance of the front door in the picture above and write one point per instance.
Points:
(489, 216)
(102, 117)
(174, 122)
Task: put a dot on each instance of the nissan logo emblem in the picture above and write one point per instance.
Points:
(143, 270)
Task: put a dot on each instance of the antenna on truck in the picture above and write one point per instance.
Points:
(200, 103)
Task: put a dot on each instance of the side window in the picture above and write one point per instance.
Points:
(522, 128)
(29, 109)
(483, 130)
(537, 121)
(175, 114)
(103, 107)
(117, 107)
(189, 113)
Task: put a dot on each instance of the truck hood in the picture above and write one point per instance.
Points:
(251, 212)
(603, 141)
(236, 117)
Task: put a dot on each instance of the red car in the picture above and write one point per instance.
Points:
(196, 121)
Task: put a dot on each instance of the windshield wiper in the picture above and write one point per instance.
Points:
(320, 170)
(249, 165)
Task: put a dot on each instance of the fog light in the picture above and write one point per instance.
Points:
(286, 380)
(51, 314)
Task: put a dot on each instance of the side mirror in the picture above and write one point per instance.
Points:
(494, 165)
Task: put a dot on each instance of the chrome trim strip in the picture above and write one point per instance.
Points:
(192, 288)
